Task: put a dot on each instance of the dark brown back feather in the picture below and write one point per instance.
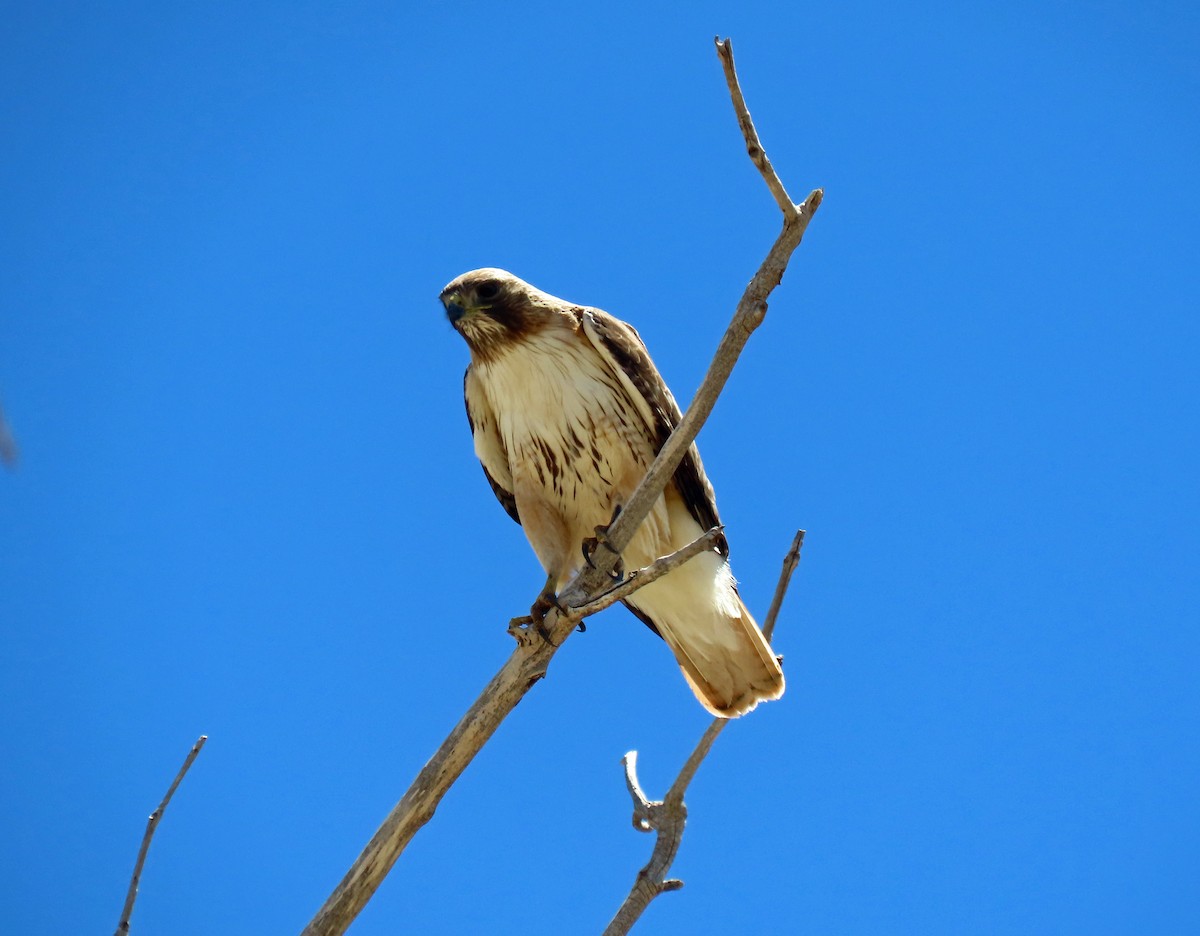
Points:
(629, 352)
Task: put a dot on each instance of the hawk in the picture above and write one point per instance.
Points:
(568, 412)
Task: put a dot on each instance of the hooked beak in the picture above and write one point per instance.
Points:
(456, 308)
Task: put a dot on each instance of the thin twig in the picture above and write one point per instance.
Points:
(790, 561)
(640, 578)
(8, 443)
(692, 764)
(151, 825)
(754, 148)
(668, 817)
(529, 661)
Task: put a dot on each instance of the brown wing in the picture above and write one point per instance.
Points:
(489, 445)
(622, 347)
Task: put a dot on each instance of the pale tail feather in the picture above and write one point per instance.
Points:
(723, 655)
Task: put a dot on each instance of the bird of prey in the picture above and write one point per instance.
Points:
(568, 412)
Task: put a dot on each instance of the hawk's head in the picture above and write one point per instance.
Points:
(491, 308)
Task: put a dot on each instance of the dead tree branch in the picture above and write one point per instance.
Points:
(751, 310)
(668, 817)
(151, 825)
(529, 661)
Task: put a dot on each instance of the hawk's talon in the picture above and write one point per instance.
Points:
(522, 628)
(543, 605)
(592, 543)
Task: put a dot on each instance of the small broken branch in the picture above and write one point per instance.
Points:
(151, 825)
(529, 661)
(8, 443)
(640, 578)
(668, 817)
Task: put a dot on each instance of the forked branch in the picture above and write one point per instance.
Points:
(529, 661)
(751, 310)
(667, 818)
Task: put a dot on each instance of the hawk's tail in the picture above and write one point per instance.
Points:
(723, 655)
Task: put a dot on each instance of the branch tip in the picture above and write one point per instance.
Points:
(151, 825)
(790, 560)
(643, 808)
(754, 147)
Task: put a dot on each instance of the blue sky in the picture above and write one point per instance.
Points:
(247, 503)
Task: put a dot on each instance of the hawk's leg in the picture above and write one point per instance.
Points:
(593, 543)
(519, 627)
(545, 601)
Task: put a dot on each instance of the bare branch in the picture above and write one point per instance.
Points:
(790, 561)
(669, 816)
(640, 578)
(754, 148)
(151, 825)
(692, 764)
(641, 805)
(668, 820)
(524, 668)
(751, 310)
(531, 658)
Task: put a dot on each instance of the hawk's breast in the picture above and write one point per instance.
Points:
(575, 441)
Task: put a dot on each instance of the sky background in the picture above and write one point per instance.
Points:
(247, 503)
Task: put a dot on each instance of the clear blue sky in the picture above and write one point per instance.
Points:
(248, 506)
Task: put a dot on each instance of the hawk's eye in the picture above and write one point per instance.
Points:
(487, 290)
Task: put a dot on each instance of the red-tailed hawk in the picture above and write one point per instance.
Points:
(568, 411)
